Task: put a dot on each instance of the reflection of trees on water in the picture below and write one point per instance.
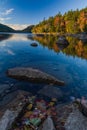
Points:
(51, 42)
(48, 41)
(84, 41)
(5, 36)
(75, 48)
(62, 46)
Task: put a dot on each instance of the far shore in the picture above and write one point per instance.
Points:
(42, 34)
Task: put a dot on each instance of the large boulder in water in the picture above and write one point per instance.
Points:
(62, 41)
(34, 44)
(33, 75)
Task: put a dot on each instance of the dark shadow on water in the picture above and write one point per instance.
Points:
(5, 36)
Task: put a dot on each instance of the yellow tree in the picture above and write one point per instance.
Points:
(82, 20)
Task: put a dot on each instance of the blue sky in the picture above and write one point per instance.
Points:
(33, 11)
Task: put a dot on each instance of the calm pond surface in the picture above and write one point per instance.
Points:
(68, 63)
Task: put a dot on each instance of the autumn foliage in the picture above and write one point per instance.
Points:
(70, 22)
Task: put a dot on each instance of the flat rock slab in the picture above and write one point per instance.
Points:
(33, 75)
(76, 121)
(48, 124)
(7, 120)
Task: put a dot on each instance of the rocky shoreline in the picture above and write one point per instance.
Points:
(25, 107)
(30, 112)
(37, 113)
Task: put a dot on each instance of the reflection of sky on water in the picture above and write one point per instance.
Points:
(16, 52)
(18, 37)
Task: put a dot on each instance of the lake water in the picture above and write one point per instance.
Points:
(68, 63)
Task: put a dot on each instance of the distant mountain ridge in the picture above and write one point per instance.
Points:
(28, 29)
(5, 28)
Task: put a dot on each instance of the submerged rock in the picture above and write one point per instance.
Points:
(33, 75)
(3, 88)
(51, 92)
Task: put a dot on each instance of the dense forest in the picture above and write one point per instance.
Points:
(28, 29)
(70, 22)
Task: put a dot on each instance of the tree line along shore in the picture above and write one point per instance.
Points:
(70, 22)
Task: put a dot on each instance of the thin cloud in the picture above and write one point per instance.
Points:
(4, 19)
(4, 16)
(8, 11)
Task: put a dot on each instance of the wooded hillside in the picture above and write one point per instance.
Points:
(70, 22)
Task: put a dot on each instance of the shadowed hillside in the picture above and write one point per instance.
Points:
(28, 29)
(4, 28)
